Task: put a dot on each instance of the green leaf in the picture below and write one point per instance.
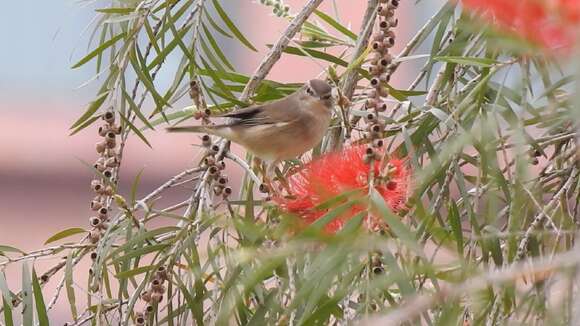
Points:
(68, 282)
(455, 222)
(135, 109)
(98, 50)
(468, 61)
(135, 271)
(6, 300)
(39, 301)
(64, 234)
(93, 107)
(330, 21)
(4, 248)
(169, 48)
(232, 26)
(134, 129)
(27, 294)
(315, 54)
(216, 47)
(122, 11)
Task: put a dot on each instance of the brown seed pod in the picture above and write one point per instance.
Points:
(376, 128)
(112, 162)
(264, 188)
(393, 22)
(146, 296)
(375, 70)
(377, 46)
(157, 285)
(393, 4)
(209, 160)
(149, 309)
(214, 149)
(95, 222)
(103, 211)
(221, 165)
(94, 255)
(94, 236)
(227, 192)
(103, 130)
(108, 174)
(371, 103)
(109, 191)
(213, 170)
(197, 115)
(100, 147)
(161, 273)
(217, 190)
(223, 180)
(206, 113)
(206, 140)
(109, 117)
(382, 107)
(375, 82)
(370, 117)
(378, 143)
(97, 187)
(156, 297)
(96, 205)
(378, 36)
(139, 321)
(117, 129)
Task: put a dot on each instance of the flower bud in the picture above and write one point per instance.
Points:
(109, 117)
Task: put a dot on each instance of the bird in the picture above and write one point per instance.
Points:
(278, 130)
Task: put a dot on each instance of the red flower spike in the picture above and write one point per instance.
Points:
(551, 24)
(343, 172)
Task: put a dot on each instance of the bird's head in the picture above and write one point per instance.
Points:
(320, 90)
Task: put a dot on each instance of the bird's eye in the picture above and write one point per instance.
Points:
(309, 91)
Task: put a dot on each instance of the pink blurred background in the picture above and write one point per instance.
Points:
(44, 187)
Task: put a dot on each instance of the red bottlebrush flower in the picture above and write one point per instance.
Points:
(342, 172)
(551, 24)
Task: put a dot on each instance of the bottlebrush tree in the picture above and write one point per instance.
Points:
(450, 199)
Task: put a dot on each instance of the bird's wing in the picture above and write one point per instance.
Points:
(280, 111)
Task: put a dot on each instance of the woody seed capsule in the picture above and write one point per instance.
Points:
(109, 117)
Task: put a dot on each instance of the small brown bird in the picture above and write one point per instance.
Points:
(281, 129)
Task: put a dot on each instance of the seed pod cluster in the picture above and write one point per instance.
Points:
(219, 180)
(106, 165)
(380, 69)
(201, 110)
(152, 295)
(279, 8)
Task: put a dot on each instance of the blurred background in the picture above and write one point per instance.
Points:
(44, 186)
